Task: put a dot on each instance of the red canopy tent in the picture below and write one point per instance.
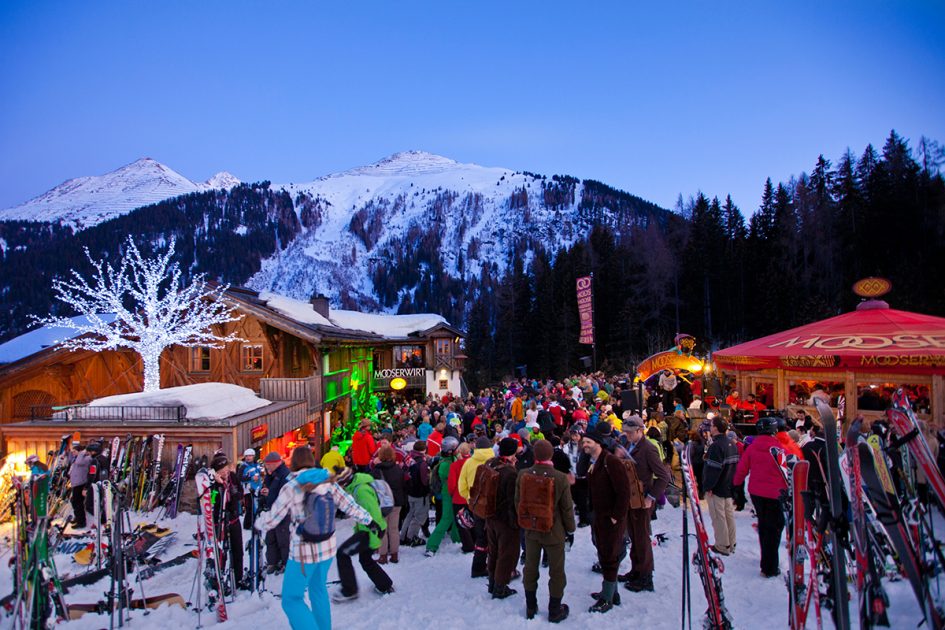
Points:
(873, 337)
(872, 344)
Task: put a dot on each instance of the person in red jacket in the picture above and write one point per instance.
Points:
(452, 481)
(363, 447)
(764, 486)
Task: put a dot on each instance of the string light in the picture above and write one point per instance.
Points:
(165, 312)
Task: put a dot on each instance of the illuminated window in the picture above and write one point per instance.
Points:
(200, 359)
(444, 346)
(251, 358)
(408, 356)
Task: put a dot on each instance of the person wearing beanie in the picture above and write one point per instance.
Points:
(654, 476)
(277, 538)
(482, 453)
(550, 543)
(720, 463)
(502, 532)
(226, 513)
(365, 540)
(418, 495)
(609, 488)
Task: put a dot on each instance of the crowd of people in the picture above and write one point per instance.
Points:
(511, 474)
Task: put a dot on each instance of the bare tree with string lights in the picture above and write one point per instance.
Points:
(153, 310)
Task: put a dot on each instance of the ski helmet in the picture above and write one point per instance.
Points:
(767, 426)
(249, 452)
(94, 447)
(449, 445)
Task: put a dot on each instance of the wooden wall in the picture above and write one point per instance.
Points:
(69, 377)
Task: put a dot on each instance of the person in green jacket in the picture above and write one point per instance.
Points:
(363, 542)
(447, 517)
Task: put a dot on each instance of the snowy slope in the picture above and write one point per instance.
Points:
(438, 592)
(87, 201)
(459, 203)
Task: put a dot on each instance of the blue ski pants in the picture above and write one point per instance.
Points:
(294, 584)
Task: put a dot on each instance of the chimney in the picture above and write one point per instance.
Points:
(320, 305)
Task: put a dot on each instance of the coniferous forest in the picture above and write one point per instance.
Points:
(712, 273)
(703, 269)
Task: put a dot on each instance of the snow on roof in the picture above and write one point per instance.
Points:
(295, 309)
(42, 338)
(386, 325)
(204, 401)
(377, 323)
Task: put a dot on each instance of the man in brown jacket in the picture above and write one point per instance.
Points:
(655, 476)
(552, 542)
(609, 487)
(502, 530)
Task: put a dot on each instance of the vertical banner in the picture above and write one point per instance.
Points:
(585, 309)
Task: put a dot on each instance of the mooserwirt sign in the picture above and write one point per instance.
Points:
(414, 377)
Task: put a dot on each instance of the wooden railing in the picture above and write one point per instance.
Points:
(308, 389)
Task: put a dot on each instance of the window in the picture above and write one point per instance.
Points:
(878, 396)
(803, 392)
(408, 356)
(338, 360)
(444, 347)
(200, 359)
(444, 384)
(252, 358)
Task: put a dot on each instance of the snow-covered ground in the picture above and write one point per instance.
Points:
(438, 592)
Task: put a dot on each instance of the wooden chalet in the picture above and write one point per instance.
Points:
(312, 361)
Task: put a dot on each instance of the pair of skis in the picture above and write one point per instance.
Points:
(210, 549)
(707, 563)
(804, 544)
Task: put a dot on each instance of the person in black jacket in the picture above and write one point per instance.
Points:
(717, 475)
(388, 470)
(502, 531)
(226, 513)
(277, 538)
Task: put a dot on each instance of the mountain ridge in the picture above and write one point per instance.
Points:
(82, 202)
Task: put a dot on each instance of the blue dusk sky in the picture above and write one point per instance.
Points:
(658, 99)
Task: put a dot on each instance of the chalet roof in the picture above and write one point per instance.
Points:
(340, 324)
(41, 338)
(313, 328)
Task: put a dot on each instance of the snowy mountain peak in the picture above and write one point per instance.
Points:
(87, 201)
(222, 180)
(406, 163)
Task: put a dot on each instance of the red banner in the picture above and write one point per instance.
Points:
(585, 302)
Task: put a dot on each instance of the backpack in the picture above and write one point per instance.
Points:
(482, 495)
(385, 496)
(413, 478)
(319, 522)
(536, 505)
(436, 484)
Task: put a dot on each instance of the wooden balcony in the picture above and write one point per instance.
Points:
(308, 389)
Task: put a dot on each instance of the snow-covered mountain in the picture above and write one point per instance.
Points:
(86, 201)
(361, 218)
(413, 232)
(444, 217)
